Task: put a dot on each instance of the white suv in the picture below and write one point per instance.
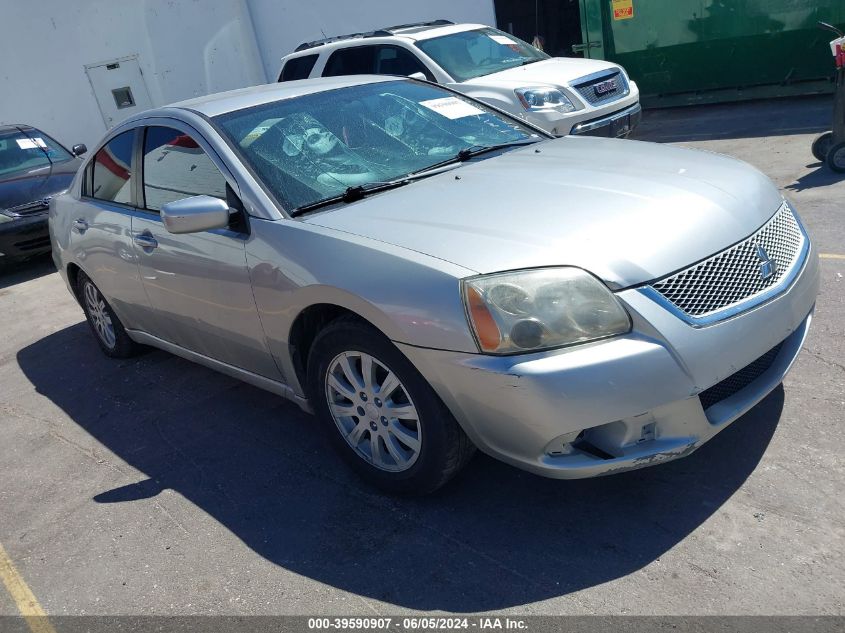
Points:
(560, 95)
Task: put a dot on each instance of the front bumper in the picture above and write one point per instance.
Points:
(617, 125)
(24, 237)
(632, 401)
(604, 120)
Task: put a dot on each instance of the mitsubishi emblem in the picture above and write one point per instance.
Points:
(768, 266)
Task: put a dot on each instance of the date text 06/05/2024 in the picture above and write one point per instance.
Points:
(417, 624)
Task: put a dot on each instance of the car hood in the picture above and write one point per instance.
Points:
(34, 184)
(627, 211)
(558, 71)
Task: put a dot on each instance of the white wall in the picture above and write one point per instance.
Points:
(185, 48)
(281, 26)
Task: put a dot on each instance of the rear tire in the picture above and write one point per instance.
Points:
(380, 413)
(821, 146)
(836, 158)
(108, 331)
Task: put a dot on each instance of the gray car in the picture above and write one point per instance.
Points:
(430, 275)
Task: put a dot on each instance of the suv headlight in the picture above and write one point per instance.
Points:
(537, 309)
(544, 98)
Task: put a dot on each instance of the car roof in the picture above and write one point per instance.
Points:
(222, 102)
(440, 31)
(410, 32)
(16, 126)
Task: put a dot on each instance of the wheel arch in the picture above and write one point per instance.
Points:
(73, 271)
(308, 323)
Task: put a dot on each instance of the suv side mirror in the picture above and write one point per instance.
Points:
(194, 215)
(79, 149)
(418, 75)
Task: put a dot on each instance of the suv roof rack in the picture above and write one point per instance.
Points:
(410, 25)
(338, 38)
(385, 32)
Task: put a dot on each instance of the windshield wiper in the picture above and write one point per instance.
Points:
(351, 194)
(358, 192)
(471, 152)
(476, 150)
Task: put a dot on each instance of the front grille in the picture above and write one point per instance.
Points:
(740, 380)
(36, 242)
(30, 208)
(603, 88)
(739, 272)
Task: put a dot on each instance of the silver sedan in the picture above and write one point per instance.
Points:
(430, 275)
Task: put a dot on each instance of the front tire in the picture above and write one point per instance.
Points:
(108, 331)
(380, 413)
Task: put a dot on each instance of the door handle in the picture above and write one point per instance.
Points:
(145, 240)
(81, 225)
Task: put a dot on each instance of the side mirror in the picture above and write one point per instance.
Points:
(194, 215)
(79, 149)
(419, 76)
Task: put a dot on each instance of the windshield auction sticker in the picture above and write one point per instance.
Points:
(31, 143)
(623, 9)
(451, 107)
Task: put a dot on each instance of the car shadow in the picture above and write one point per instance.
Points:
(15, 273)
(748, 119)
(496, 537)
(822, 176)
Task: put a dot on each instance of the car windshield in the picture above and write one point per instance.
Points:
(21, 151)
(479, 52)
(315, 147)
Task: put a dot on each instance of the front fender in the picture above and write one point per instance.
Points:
(410, 297)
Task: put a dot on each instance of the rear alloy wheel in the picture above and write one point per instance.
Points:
(380, 413)
(107, 328)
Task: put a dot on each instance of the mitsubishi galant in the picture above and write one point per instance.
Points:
(430, 275)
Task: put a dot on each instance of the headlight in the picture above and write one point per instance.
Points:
(530, 310)
(544, 98)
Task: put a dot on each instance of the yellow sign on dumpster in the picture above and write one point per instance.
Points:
(623, 9)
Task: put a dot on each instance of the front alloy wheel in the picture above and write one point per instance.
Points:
(380, 413)
(373, 411)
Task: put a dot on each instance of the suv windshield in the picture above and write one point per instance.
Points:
(315, 147)
(20, 151)
(480, 52)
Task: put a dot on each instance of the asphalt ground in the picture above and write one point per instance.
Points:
(155, 486)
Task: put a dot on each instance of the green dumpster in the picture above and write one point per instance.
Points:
(692, 51)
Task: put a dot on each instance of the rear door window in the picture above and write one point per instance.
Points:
(298, 68)
(112, 177)
(176, 167)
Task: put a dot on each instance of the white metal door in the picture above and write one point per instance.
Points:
(119, 88)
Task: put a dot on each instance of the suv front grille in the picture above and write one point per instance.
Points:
(739, 272)
(601, 89)
(30, 208)
(31, 244)
(739, 380)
